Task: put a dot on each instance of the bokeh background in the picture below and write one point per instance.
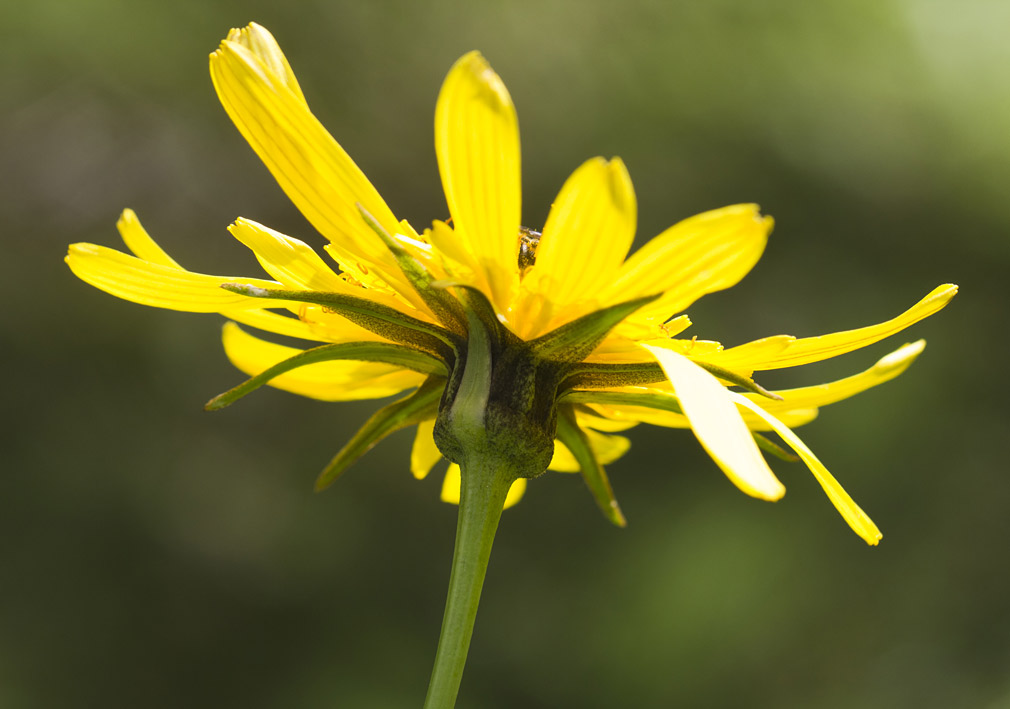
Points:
(154, 555)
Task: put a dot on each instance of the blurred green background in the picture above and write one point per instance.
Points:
(154, 555)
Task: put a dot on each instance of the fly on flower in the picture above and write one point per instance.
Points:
(537, 349)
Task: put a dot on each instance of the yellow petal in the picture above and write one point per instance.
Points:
(477, 146)
(288, 260)
(278, 324)
(424, 454)
(587, 235)
(327, 381)
(857, 519)
(159, 286)
(703, 254)
(262, 44)
(718, 426)
(667, 419)
(587, 419)
(308, 164)
(815, 349)
(451, 483)
(886, 369)
(138, 241)
(145, 247)
(606, 448)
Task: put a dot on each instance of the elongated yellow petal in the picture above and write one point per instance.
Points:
(326, 381)
(288, 260)
(587, 235)
(886, 369)
(855, 517)
(159, 286)
(308, 164)
(145, 247)
(718, 426)
(587, 419)
(277, 324)
(606, 448)
(424, 453)
(705, 253)
(477, 146)
(815, 349)
(451, 484)
(138, 241)
(667, 419)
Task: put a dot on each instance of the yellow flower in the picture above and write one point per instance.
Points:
(397, 312)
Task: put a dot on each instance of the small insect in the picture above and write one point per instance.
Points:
(529, 239)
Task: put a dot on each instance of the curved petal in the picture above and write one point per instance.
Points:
(477, 146)
(886, 369)
(146, 248)
(587, 235)
(133, 279)
(606, 448)
(310, 166)
(858, 520)
(718, 426)
(138, 241)
(289, 261)
(326, 381)
(424, 454)
(666, 419)
(702, 254)
(451, 483)
(815, 349)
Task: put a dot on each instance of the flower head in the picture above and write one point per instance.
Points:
(541, 345)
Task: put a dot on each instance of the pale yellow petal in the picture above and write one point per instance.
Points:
(138, 241)
(587, 235)
(855, 517)
(451, 485)
(606, 448)
(424, 453)
(886, 369)
(477, 146)
(718, 426)
(703, 254)
(308, 164)
(133, 279)
(327, 381)
(815, 349)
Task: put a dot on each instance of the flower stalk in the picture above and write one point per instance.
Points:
(485, 483)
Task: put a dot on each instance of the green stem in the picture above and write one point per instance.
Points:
(483, 489)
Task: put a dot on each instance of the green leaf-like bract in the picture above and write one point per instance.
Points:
(420, 406)
(384, 321)
(572, 342)
(592, 471)
(445, 307)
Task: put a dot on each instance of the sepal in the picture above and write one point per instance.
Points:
(592, 471)
(574, 341)
(445, 307)
(411, 410)
(383, 320)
